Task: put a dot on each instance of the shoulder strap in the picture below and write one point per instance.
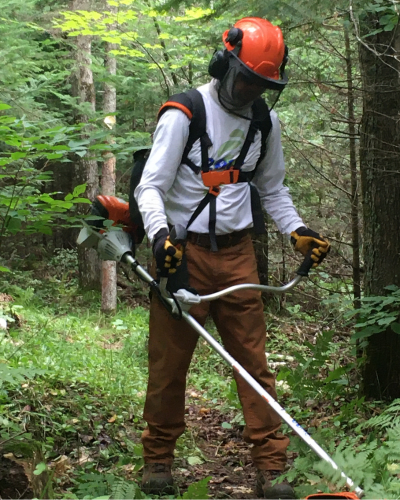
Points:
(197, 130)
(181, 101)
(191, 103)
(261, 121)
(262, 118)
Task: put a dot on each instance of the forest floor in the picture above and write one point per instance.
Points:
(73, 397)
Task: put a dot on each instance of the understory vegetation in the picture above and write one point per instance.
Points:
(73, 383)
(82, 83)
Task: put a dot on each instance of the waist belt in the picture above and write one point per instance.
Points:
(222, 240)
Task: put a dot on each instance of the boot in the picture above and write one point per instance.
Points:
(265, 489)
(157, 479)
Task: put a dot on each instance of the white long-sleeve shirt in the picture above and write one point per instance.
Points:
(169, 192)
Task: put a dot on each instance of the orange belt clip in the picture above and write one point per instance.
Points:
(216, 177)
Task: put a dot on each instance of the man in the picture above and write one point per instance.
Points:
(219, 250)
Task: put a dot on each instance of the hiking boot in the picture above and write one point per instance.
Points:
(157, 479)
(265, 489)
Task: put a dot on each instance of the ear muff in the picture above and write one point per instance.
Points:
(234, 37)
(284, 62)
(219, 64)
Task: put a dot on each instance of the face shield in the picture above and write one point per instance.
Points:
(241, 86)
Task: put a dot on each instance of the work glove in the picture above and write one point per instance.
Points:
(168, 257)
(306, 240)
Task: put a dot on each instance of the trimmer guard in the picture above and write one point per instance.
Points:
(328, 496)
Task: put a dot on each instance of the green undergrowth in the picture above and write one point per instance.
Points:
(73, 384)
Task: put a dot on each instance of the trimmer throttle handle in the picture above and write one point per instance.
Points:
(306, 265)
(178, 235)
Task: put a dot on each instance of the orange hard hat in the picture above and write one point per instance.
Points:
(262, 47)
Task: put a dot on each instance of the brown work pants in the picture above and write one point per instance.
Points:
(239, 319)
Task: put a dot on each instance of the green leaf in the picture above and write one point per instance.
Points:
(82, 200)
(17, 155)
(60, 147)
(78, 144)
(395, 327)
(14, 224)
(4, 270)
(198, 490)
(41, 467)
(4, 106)
(53, 156)
(389, 27)
(387, 320)
(79, 190)
(194, 460)
(226, 425)
(367, 332)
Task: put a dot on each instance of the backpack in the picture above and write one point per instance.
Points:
(191, 103)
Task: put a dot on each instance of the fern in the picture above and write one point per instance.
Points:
(92, 485)
(389, 418)
(96, 484)
(125, 490)
(374, 465)
(14, 376)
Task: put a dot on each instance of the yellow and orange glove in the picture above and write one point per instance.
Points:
(306, 240)
(168, 257)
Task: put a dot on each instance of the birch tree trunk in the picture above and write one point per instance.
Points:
(86, 169)
(380, 177)
(109, 268)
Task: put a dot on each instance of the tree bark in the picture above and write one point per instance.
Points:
(380, 179)
(354, 175)
(86, 169)
(109, 268)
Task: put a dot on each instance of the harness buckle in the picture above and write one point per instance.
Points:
(214, 190)
(217, 177)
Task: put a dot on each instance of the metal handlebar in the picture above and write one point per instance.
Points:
(252, 286)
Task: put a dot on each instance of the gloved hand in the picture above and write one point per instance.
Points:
(168, 257)
(306, 240)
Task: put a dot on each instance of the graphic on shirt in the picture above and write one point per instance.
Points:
(235, 141)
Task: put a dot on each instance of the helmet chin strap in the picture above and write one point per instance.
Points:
(276, 100)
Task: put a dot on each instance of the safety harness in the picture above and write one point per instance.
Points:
(192, 104)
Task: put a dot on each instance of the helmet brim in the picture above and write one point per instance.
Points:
(256, 78)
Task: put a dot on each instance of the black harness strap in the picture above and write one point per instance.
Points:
(261, 120)
(197, 130)
(212, 222)
(256, 210)
(202, 205)
(251, 134)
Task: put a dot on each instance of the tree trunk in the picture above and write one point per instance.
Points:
(354, 176)
(86, 169)
(109, 268)
(380, 176)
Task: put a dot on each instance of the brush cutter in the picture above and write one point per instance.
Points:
(116, 245)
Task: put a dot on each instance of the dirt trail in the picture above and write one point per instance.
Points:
(228, 457)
